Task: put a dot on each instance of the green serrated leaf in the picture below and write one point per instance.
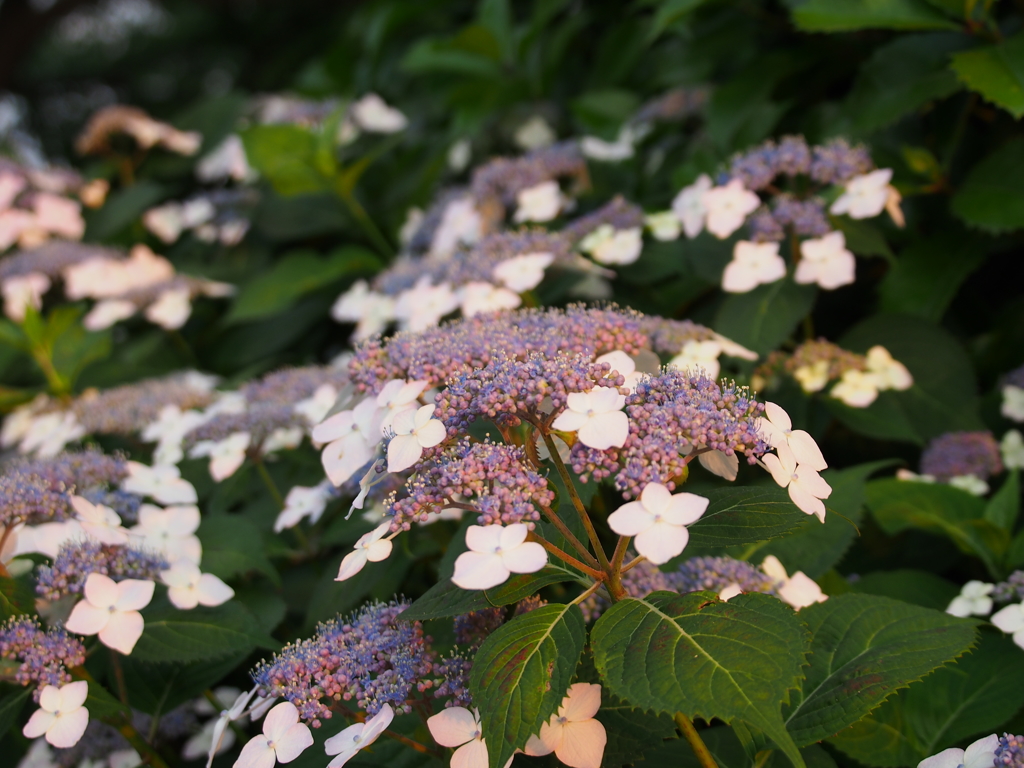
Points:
(974, 696)
(294, 275)
(996, 72)
(705, 658)
(445, 599)
(909, 585)
(232, 546)
(903, 76)
(864, 649)
(992, 196)
(849, 15)
(630, 731)
(1003, 508)
(200, 634)
(747, 515)
(521, 673)
(763, 318)
(928, 274)
(158, 688)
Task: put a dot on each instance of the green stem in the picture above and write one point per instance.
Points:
(122, 687)
(149, 755)
(577, 502)
(269, 481)
(56, 383)
(761, 758)
(369, 227)
(569, 536)
(697, 744)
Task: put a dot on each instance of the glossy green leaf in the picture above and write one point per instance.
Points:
(849, 15)
(864, 649)
(909, 585)
(631, 731)
(286, 155)
(1003, 508)
(199, 634)
(17, 597)
(233, 546)
(971, 698)
(766, 316)
(996, 72)
(927, 275)
(992, 196)
(705, 658)
(902, 76)
(521, 673)
(747, 515)
(294, 275)
(445, 599)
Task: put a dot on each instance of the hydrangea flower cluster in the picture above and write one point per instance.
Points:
(823, 257)
(372, 657)
(1010, 590)
(963, 459)
(37, 204)
(44, 655)
(77, 559)
(817, 363)
(1010, 751)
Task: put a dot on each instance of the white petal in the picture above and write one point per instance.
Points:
(293, 742)
(87, 619)
(779, 473)
(630, 519)
(582, 744)
(513, 535)
(474, 570)
(806, 450)
(528, 557)
(1010, 618)
(122, 631)
(38, 724)
(453, 727)
(947, 758)
(471, 755)
(431, 433)
(73, 695)
(685, 509)
(655, 498)
(661, 542)
(403, 452)
(351, 565)
(212, 591)
(809, 504)
(68, 728)
(801, 591)
(721, 464)
(257, 753)
(485, 538)
(134, 594)
(379, 550)
(605, 431)
(581, 701)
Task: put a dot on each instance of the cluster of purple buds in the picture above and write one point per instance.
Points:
(129, 408)
(45, 655)
(956, 454)
(1011, 590)
(77, 559)
(497, 182)
(373, 657)
(1010, 751)
(495, 479)
(672, 414)
(51, 258)
(835, 162)
(438, 354)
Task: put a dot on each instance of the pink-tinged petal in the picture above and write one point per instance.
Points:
(38, 724)
(513, 535)
(807, 503)
(779, 473)
(123, 631)
(806, 450)
(582, 744)
(528, 557)
(68, 729)
(212, 591)
(656, 498)
(581, 702)
(183, 598)
(87, 619)
(50, 699)
(474, 570)
(605, 399)
(422, 415)
(738, 277)
(134, 594)
(1009, 619)
(661, 542)
(544, 743)
(333, 427)
(379, 550)
(184, 520)
(431, 433)
(630, 519)
(471, 755)
(257, 753)
(293, 743)
(778, 416)
(570, 421)
(72, 695)
(453, 727)
(801, 590)
(101, 590)
(947, 758)
(351, 565)
(685, 509)
(343, 757)
(485, 538)
(812, 482)
(376, 725)
(343, 458)
(403, 452)
(344, 740)
(279, 720)
(721, 464)
(605, 431)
